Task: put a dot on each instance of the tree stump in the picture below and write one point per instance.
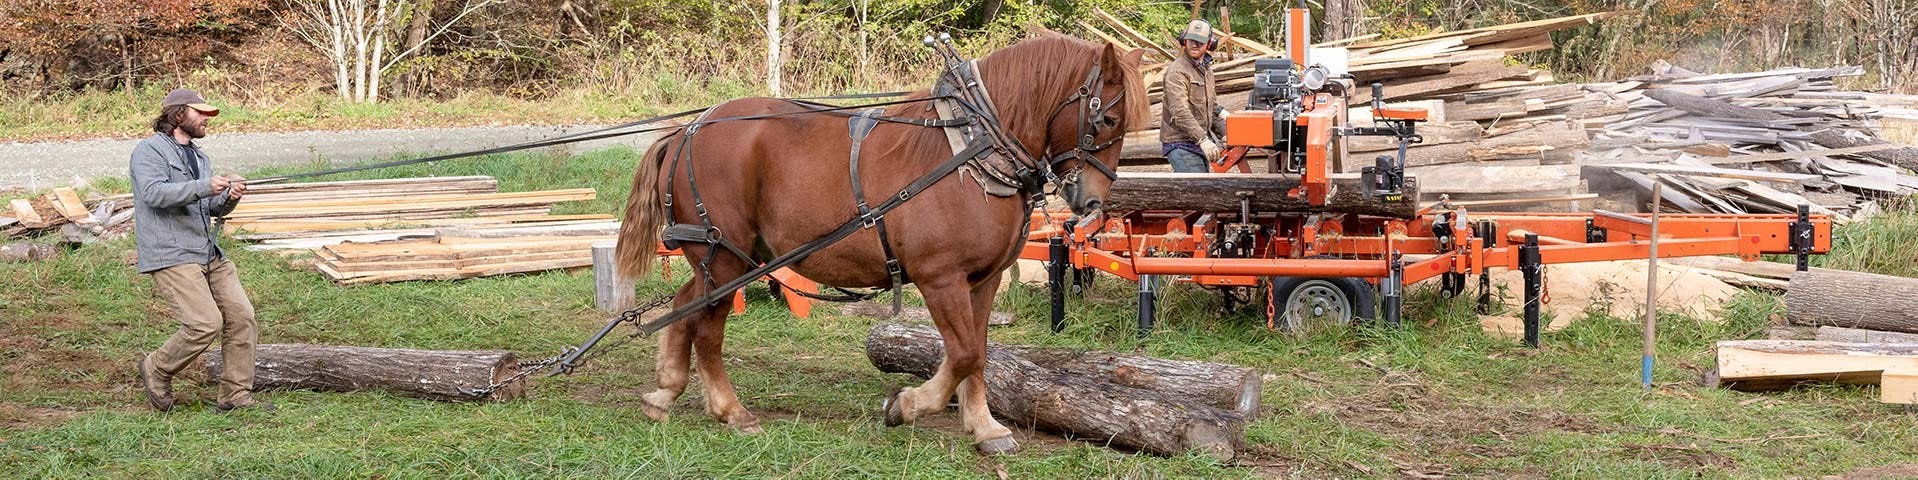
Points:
(446, 375)
(1078, 403)
(1853, 300)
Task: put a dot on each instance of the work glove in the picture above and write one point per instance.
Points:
(1210, 147)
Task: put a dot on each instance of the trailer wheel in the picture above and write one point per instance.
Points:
(1303, 303)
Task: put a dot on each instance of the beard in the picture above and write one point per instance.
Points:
(194, 130)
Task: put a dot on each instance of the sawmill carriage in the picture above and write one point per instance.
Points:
(1309, 246)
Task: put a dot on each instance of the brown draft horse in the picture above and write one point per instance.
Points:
(772, 184)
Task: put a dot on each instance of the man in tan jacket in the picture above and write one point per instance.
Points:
(1191, 124)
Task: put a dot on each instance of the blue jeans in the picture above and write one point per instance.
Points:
(1186, 161)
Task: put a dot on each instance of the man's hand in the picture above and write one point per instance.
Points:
(236, 187)
(219, 183)
(1211, 149)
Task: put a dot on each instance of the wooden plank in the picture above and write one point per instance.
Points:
(1756, 365)
(1261, 48)
(67, 202)
(449, 201)
(1134, 35)
(1713, 172)
(351, 269)
(1103, 36)
(1778, 156)
(1472, 179)
(1859, 335)
(1521, 201)
(1463, 75)
(270, 229)
(1898, 385)
(23, 210)
(585, 260)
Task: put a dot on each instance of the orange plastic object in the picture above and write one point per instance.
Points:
(1250, 128)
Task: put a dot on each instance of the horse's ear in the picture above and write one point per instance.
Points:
(1135, 56)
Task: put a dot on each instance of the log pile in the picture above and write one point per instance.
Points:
(1165, 407)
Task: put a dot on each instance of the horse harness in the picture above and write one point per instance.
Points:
(980, 146)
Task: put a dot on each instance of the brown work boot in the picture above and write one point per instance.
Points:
(244, 401)
(157, 386)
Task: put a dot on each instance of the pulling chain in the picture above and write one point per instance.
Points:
(528, 368)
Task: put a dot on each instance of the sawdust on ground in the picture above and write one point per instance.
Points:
(1614, 288)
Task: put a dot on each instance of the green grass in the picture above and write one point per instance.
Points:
(1435, 396)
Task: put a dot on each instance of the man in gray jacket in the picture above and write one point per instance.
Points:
(175, 198)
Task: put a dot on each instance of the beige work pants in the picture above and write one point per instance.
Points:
(208, 300)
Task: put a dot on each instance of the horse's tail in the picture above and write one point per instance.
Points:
(639, 233)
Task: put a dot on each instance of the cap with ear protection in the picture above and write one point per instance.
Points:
(1200, 31)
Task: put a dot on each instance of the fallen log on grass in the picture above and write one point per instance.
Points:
(1853, 300)
(1759, 365)
(26, 252)
(1204, 192)
(1084, 404)
(447, 375)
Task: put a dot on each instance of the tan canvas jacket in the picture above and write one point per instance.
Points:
(1190, 103)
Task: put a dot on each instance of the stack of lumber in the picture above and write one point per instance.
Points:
(305, 216)
(449, 256)
(440, 228)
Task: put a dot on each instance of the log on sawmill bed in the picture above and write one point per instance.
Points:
(1203, 192)
(1085, 404)
(447, 375)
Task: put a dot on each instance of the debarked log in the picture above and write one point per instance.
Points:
(448, 375)
(1082, 404)
(1204, 192)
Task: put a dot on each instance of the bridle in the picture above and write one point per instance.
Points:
(1091, 109)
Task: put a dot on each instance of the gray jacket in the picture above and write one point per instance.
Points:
(172, 207)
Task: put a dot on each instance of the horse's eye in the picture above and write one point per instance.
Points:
(1110, 121)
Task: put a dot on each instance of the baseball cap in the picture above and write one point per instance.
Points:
(1198, 31)
(191, 99)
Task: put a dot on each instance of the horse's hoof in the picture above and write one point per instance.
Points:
(752, 429)
(657, 413)
(895, 413)
(998, 446)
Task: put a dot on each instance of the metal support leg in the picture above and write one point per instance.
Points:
(1801, 238)
(1528, 262)
(1488, 232)
(1148, 303)
(1056, 281)
(1393, 287)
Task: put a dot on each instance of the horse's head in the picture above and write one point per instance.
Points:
(1075, 101)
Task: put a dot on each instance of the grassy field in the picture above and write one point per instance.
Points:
(1436, 397)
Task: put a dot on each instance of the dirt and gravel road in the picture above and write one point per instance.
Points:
(39, 165)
